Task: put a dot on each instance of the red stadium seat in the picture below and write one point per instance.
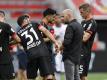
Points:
(17, 7)
(32, 14)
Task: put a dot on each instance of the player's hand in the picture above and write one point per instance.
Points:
(61, 48)
(57, 47)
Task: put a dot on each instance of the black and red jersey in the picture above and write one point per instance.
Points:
(89, 26)
(32, 40)
(51, 30)
(5, 32)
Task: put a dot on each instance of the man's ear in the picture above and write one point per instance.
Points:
(69, 15)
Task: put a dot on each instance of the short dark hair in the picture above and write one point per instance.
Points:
(85, 7)
(21, 18)
(49, 11)
(2, 12)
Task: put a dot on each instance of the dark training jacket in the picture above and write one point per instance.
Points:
(73, 42)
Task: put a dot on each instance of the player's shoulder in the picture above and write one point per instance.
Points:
(18, 31)
(93, 21)
(83, 21)
(5, 24)
(35, 23)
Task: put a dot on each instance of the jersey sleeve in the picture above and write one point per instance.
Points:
(10, 31)
(36, 25)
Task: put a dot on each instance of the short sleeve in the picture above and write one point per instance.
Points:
(36, 25)
(9, 30)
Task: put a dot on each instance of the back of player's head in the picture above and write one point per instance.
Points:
(49, 11)
(2, 12)
(21, 19)
(85, 7)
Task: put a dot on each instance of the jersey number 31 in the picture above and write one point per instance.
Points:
(27, 35)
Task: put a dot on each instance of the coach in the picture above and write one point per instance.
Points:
(72, 45)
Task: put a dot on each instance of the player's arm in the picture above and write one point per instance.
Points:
(90, 30)
(49, 35)
(15, 39)
(87, 35)
(47, 39)
(13, 35)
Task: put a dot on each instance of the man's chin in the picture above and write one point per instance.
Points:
(65, 22)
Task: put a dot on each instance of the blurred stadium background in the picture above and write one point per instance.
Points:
(98, 64)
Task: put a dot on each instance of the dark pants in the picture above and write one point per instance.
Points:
(71, 70)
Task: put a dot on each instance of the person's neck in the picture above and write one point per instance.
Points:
(89, 17)
(24, 25)
(58, 24)
(71, 19)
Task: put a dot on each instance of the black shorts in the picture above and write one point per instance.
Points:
(84, 65)
(22, 57)
(6, 72)
(43, 64)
